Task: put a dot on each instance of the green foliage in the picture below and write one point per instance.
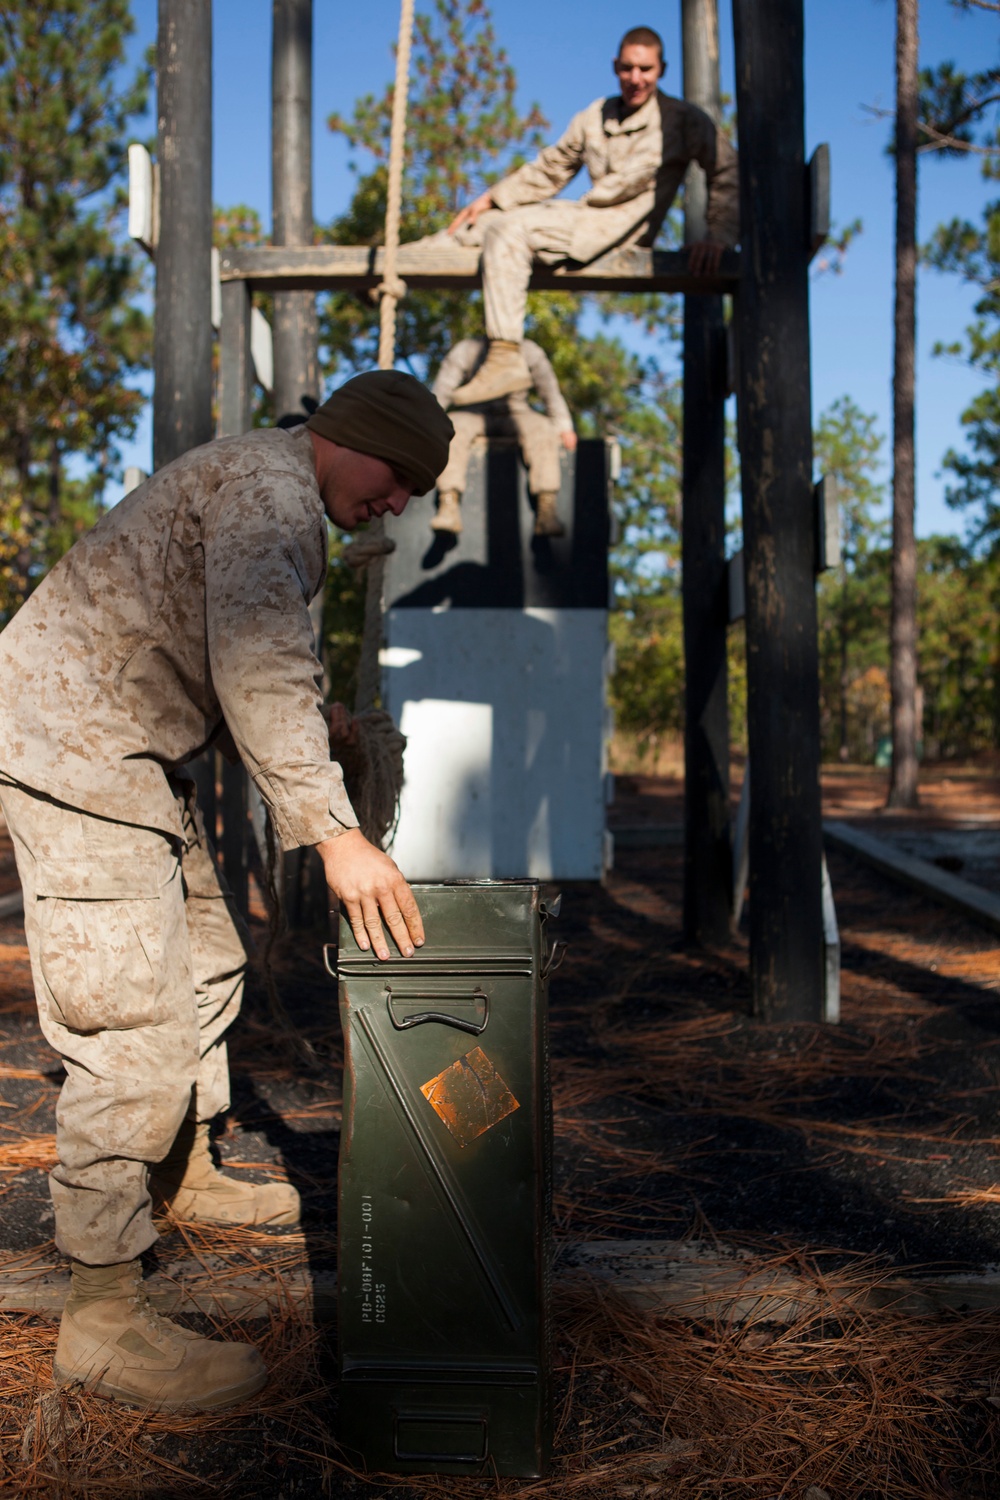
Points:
(959, 648)
(954, 105)
(853, 600)
(70, 332)
(973, 252)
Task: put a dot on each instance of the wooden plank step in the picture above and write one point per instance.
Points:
(685, 1278)
(971, 900)
(318, 268)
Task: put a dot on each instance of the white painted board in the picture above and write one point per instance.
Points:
(504, 713)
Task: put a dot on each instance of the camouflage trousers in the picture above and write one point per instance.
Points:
(511, 241)
(138, 971)
(536, 434)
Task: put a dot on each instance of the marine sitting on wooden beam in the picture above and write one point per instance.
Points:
(539, 434)
(637, 147)
(179, 621)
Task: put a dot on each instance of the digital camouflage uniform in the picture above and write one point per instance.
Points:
(512, 416)
(636, 164)
(180, 619)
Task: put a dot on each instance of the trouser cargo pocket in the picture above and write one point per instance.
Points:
(102, 941)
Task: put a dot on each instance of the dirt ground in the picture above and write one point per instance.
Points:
(845, 1152)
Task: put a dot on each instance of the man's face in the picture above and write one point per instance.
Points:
(356, 487)
(639, 69)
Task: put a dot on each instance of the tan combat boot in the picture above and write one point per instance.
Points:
(113, 1342)
(188, 1182)
(547, 522)
(502, 372)
(448, 516)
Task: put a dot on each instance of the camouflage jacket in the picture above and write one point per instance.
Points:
(183, 612)
(636, 163)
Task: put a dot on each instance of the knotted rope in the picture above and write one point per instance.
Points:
(378, 774)
(392, 289)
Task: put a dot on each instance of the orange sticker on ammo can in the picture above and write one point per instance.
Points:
(470, 1096)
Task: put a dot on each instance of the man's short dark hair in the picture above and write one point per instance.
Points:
(641, 36)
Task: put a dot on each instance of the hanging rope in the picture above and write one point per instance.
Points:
(389, 292)
(392, 289)
(379, 770)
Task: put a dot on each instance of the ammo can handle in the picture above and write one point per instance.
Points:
(474, 1028)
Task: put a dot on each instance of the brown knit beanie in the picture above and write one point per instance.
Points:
(392, 416)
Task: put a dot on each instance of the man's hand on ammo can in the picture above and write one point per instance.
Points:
(368, 883)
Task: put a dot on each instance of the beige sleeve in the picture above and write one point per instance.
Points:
(265, 558)
(547, 386)
(548, 174)
(456, 367)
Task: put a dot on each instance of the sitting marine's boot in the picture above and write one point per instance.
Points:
(547, 522)
(113, 1342)
(448, 516)
(188, 1182)
(501, 373)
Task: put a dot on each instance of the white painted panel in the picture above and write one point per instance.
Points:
(140, 194)
(445, 814)
(528, 799)
(262, 348)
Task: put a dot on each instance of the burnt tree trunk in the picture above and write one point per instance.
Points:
(182, 328)
(707, 850)
(903, 641)
(786, 926)
(296, 373)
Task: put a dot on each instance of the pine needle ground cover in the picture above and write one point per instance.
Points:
(842, 1156)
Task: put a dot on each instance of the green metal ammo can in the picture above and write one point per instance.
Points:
(445, 1172)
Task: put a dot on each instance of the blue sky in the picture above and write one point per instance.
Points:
(562, 53)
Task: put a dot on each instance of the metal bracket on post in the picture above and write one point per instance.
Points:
(818, 198)
(826, 496)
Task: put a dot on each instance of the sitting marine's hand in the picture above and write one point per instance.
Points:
(370, 884)
(470, 213)
(704, 257)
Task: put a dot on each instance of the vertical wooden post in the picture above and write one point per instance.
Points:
(235, 367)
(235, 416)
(296, 372)
(182, 336)
(707, 849)
(786, 924)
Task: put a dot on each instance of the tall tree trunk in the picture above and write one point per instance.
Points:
(844, 629)
(903, 644)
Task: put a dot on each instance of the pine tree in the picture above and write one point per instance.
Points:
(70, 332)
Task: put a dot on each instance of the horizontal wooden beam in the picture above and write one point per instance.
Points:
(324, 268)
(684, 1278)
(971, 900)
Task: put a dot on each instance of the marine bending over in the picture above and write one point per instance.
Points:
(179, 621)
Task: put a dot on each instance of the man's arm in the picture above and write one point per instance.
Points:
(719, 161)
(456, 368)
(264, 559)
(537, 180)
(547, 386)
